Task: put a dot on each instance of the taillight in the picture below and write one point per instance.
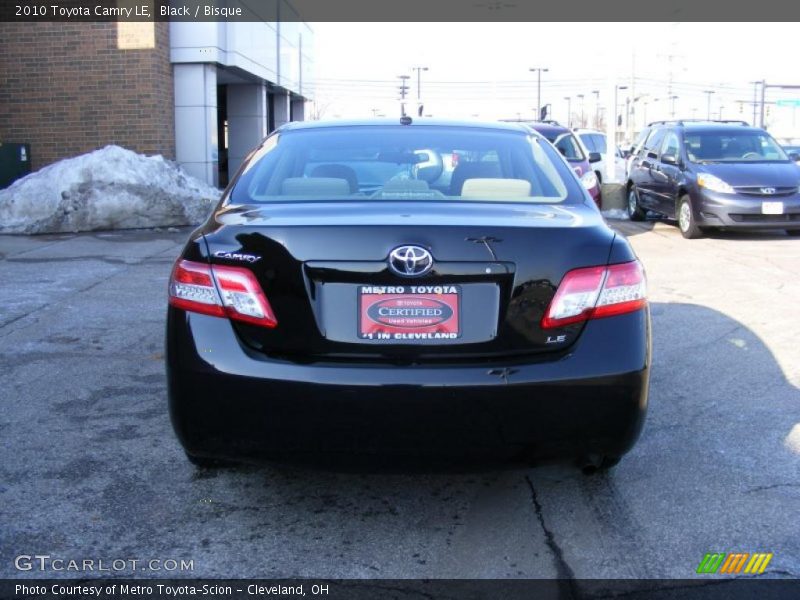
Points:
(454, 159)
(595, 292)
(220, 291)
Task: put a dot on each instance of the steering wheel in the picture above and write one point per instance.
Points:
(752, 154)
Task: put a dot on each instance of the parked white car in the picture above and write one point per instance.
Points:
(595, 141)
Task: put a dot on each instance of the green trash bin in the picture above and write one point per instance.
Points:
(15, 162)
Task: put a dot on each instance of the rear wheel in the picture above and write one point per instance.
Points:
(635, 212)
(686, 222)
(592, 465)
(204, 462)
(793, 232)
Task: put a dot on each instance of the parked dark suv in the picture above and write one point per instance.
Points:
(708, 174)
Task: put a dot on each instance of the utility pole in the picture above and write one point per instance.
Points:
(569, 110)
(672, 99)
(538, 71)
(419, 71)
(403, 89)
(596, 108)
(582, 124)
(763, 98)
(616, 107)
(755, 100)
(708, 102)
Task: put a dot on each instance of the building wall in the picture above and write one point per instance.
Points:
(69, 88)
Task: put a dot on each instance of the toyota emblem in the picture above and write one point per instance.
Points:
(410, 261)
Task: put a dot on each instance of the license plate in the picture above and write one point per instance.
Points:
(772, 208)
(409, 313)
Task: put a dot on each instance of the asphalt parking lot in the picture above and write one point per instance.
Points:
(89, 467)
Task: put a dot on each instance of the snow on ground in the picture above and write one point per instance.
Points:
(615, 213)
(110, 188)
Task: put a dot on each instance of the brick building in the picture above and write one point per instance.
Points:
(202, 94)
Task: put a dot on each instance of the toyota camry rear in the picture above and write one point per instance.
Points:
(357, 293)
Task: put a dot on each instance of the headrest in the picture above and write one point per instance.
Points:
(338, 172)
(496, 189)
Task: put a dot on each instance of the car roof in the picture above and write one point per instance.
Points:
(416, 121)
(707, 126)
(545, 128)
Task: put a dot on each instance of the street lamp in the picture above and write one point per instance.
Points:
(672, 106)
(596, 108)
(617, 88)
(538, 71)
(419, 71)
(580, 96)
(569, 110)
(403, 89)
(708, 101)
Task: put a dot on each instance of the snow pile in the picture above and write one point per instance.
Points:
(110, 188)
(615, 213)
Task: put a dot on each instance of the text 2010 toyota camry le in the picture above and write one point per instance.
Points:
(407, 289)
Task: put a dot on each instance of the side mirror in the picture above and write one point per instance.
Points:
(794, 156)
(669, 159)
(595, 157)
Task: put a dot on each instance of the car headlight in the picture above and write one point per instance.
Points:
(589, 180)
(715, 184)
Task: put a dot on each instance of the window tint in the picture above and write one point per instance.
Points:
(588, 141)
(373, 163)
(671, 145)
(599, 142)
(654, 140)
(568, 146)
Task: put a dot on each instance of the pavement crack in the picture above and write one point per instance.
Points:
(762, 488)
(563, 570)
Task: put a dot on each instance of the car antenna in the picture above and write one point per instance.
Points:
(405, 120)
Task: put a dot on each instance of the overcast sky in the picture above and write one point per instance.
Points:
(357, 66)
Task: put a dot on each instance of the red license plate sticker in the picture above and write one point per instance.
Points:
(409, 313)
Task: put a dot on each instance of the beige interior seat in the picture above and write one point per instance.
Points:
(496, 189)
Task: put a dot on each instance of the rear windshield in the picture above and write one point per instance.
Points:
(732, 146)
(418, 162)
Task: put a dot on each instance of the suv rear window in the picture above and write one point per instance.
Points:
(374, 163)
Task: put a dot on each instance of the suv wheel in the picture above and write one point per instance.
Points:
(793, 232)
(686, 222)
(635, 212)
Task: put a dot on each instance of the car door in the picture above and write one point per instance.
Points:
(667, 175)
(642, 173)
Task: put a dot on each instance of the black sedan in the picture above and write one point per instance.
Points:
(357, 293)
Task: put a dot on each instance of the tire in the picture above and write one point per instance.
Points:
(686, 222)
(793, 232)
(635, 212)
(203, 462)
(598, 463)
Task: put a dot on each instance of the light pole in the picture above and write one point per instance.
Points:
(596, 108)
(580, 97)
(672, 106)
(538, 71)
(617, 88)
(403, 89)
(755, 99)
(708, 102)
(419, 71)
(569, 110)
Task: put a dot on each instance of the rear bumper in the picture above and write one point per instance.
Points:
(742, 211)
(227, 401)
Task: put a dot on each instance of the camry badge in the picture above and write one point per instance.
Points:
(410, 261)
(767, 191)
